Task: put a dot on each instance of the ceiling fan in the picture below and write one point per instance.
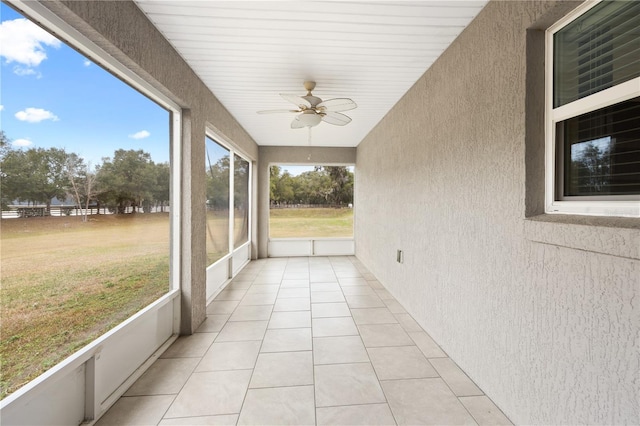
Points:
(312, 110)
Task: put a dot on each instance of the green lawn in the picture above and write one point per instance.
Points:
(65, 282)
(310, 222)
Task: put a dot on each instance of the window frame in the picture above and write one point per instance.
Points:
(216, 136)
(555, 202)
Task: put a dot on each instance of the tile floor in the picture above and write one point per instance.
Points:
(305, 341)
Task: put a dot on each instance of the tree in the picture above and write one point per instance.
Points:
(127, 180)
(83, 182)
(36, 175)
(162, 189)
(13, 170)
(591, 168)
(341, 184)
(274, 175)
(218, 184)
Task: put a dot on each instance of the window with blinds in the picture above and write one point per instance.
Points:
(597, 51)
(597, 142)
(602, 151)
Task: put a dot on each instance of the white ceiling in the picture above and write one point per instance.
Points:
(248, 52)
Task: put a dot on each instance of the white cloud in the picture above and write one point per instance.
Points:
(22, 142)
(22, 71)
(140, 135)
(1, 107)
(86, 63)
(35, 115)
(24, 42)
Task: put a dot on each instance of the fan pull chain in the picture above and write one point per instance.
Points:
(309, 156)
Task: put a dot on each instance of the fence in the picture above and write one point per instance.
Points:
(58, 211)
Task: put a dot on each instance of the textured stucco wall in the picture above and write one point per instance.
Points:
(291, 155)
(123, 31)
(542, 312)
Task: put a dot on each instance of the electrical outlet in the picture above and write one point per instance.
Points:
(400, 256)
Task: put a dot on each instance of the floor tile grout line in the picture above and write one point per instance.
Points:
(244, 399)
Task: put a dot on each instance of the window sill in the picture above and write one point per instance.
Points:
(615, 236)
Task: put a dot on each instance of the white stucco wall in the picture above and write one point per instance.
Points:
(542, 312)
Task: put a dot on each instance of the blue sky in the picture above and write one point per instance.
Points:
(52, 96)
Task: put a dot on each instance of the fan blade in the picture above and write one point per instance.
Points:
(337, 105)
(273, 111)
(335, 118)
(297, 124)
(296, 100)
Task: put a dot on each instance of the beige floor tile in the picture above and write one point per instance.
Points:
(328, 277)
(457, 380)
(268, 279)
(394, 306)
(374, 283)
(293, 319)
(279, 406)
(322, 286)
(257, 299)
(347, 273)
(296, 275)
(211, 393)
(327, 296)
(408, 323)
(373, 316)
(359, 302)
(341, 326)
(239, 284)
(295, 304)
(358, 290)
(330, 310)
(339, 350)
(484, 411)
(193, 346)
(251, 313)
(230, 294)
(287, 340)
(165, 376)
(222, 307)
(242, 330)
(401, 362)
(221, 420)
(295, 283)
(427, 345)
(347, 384)
(283, 369)
(352, 280)
(136, 410)
(263, 289)
(425, 402)
(365, 415)
(384, 294)
(230, 356)
(289, 293)
(376, 335)
(213, 323)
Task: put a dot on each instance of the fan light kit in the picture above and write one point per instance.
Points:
(312, 110)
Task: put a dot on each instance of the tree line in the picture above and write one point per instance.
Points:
(325, 185)
(36, 176)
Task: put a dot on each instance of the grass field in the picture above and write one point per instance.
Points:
(311, 222)
(65, 282)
